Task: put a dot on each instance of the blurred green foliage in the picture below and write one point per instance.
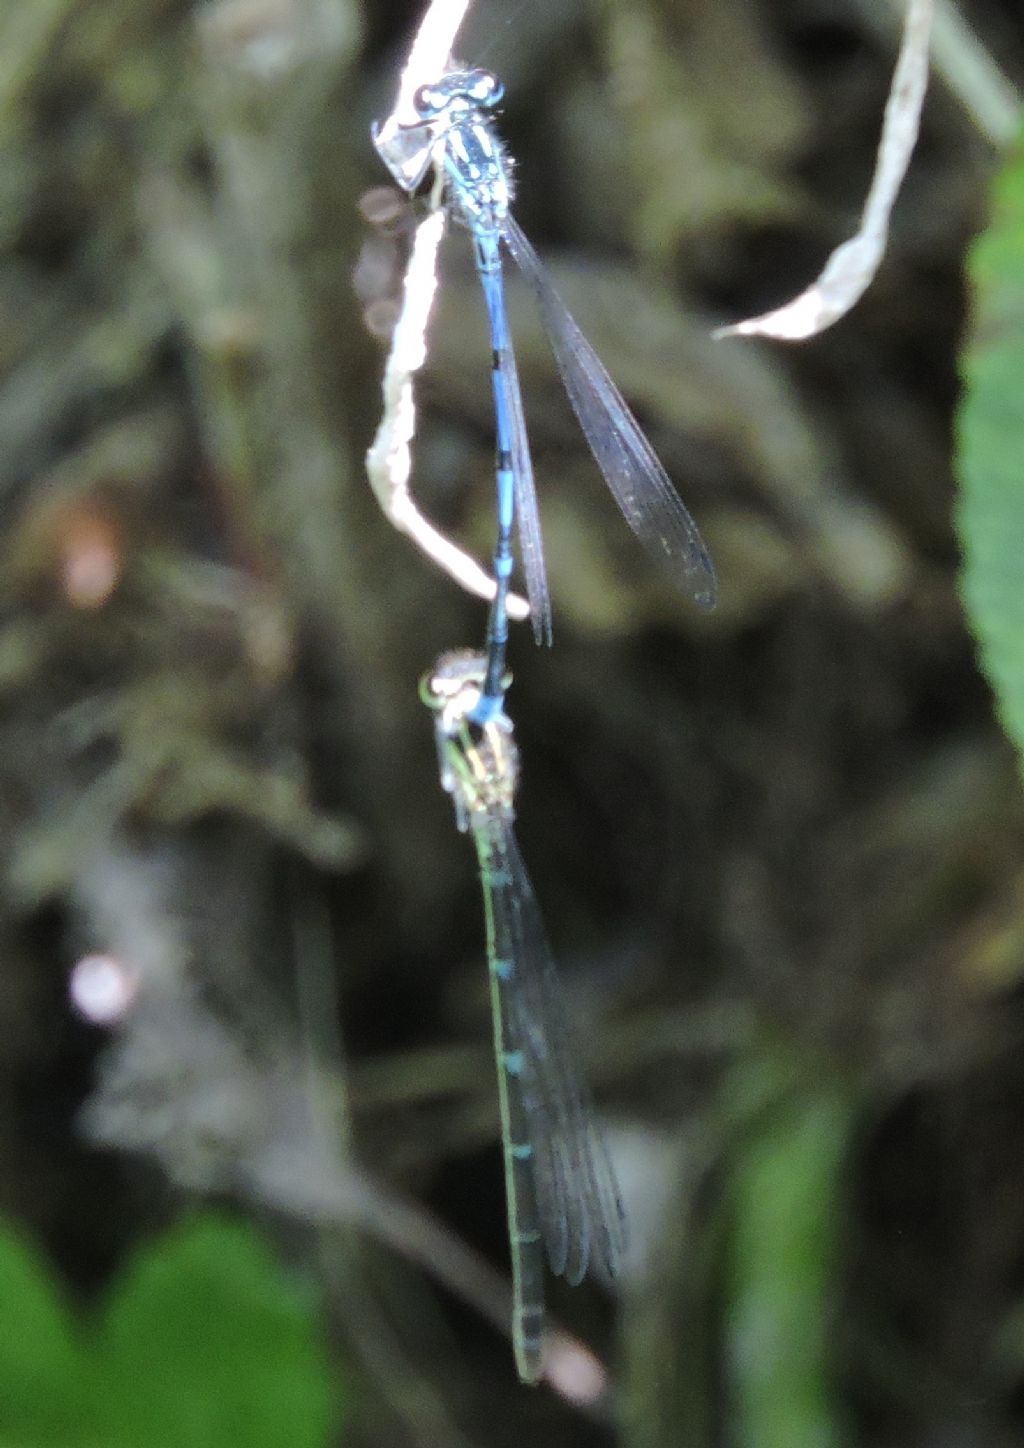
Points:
(202, 1341)
(991, 446)
(786, 1187)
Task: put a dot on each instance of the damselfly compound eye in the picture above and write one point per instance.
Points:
(427, 101)
(485, 89)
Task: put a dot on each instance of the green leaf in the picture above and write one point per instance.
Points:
(990, 448)
(203, 1342)
(43, 1371)
(207, 1343)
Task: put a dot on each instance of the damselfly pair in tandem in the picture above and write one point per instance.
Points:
(561, 1191)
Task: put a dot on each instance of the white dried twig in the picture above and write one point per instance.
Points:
(990, 98)
(389, 459)
(428, 58)
(851, 268)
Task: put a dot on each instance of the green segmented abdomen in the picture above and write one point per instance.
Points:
(524, 1231)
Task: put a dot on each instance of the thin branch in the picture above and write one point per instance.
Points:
(851, 268)
(292, 1184)
(971, 72)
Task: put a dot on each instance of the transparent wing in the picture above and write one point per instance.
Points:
(638, 482)
(577, 1196)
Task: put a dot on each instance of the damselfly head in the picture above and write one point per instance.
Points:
(454, 686)
(457, 676)
(467, 89)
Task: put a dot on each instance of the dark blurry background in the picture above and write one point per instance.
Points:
(778, 848)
